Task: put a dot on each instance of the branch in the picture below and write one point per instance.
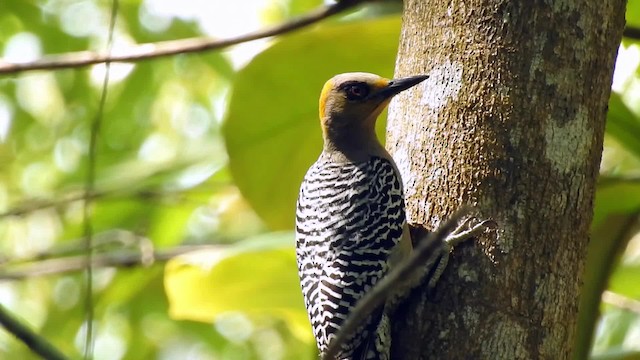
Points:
(427, 252)
(631, 33)
(35, 342)
(34, 204)
(604, 180)
(101, 243)
(167, 48)
(120, 259)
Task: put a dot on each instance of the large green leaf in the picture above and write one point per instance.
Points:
(272, 131)
(256, 277)
(624, 280)
(615, 197)
(633, 13)
(623, 125)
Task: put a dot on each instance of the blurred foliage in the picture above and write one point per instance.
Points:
(172, 173)
(275, 296)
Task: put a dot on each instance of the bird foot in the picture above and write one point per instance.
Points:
(468, 229)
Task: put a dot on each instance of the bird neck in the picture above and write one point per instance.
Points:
(355, 142)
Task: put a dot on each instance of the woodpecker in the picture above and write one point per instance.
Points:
(350, 218)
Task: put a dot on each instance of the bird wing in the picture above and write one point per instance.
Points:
(349, 219)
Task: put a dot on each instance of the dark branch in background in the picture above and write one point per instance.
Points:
(604, 180)
(102, 242)
(119, 259)
(631, 33)
(34, 204)
(35, 342)
(167, 48)
(426, 252)
(112, 248)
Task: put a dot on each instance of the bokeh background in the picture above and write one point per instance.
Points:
(198, 162)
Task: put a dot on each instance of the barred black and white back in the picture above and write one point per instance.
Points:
(349, 218)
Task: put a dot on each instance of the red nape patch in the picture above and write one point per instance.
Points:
(326, 89)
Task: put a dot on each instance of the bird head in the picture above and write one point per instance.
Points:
(350, 104)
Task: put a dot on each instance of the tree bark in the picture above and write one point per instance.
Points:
(510, 121)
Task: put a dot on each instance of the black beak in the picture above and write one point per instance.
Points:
(395, 86)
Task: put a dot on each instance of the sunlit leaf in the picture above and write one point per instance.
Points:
(257, 277)
(633, 13)
(624, 280)
(297, 7)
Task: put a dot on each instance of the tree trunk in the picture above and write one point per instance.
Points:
(511, 121)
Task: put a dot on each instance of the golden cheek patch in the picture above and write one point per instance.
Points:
(326, 89)
(381, 84)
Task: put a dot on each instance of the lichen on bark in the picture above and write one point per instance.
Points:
(511, 121)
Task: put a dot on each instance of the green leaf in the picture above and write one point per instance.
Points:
(615, 197)
(633, 13)
(623, 125)
(624, 280)
(272, 132)
(616, 205)
(298, 7)
(256, 277)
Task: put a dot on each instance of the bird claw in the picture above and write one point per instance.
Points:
(468, 229)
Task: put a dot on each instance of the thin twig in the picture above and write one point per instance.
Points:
(107, 239)
(145, 194)
(31, 205)
(35, 342)
(117, 259)
(167, 48)
(427, 250)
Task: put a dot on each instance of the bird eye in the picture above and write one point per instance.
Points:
(356, 91)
